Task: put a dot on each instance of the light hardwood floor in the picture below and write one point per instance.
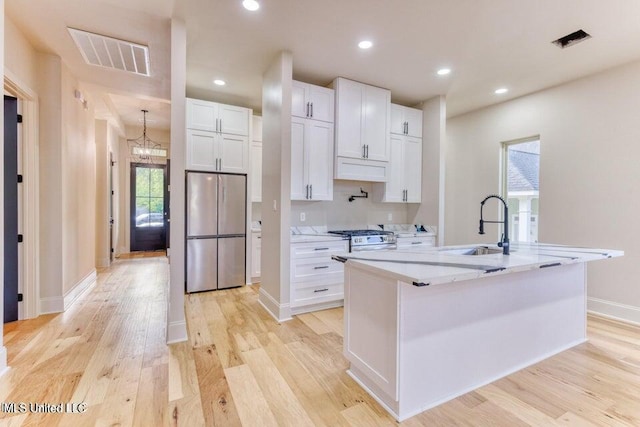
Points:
(241, 368)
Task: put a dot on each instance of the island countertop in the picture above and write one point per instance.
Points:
(449, 264)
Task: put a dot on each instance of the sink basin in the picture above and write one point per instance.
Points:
(478, 250)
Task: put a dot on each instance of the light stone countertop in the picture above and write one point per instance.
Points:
(448, 264)
(320, 237)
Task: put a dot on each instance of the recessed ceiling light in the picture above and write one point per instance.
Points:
(444, 71)
(365, 44)
(251, 5)
(501, 90)
(219, 82)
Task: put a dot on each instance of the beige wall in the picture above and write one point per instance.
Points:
(19, 56)
(276, 185)
(589, 174)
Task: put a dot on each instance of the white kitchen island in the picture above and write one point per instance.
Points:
(424, 328)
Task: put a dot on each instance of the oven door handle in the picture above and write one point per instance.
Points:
(384, 247)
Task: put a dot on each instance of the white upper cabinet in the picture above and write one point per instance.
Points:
(311, 159)
(219, 118)
(406, 121)
(404, 184)
(214, 152)
(362, 130)
(312, 102)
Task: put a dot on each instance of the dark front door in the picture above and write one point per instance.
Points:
(147, 207)
(10, 209)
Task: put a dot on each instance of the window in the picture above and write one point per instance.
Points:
(149, 196)
(521, 186)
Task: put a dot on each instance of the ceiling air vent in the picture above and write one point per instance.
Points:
(108, 52)
(571, 39)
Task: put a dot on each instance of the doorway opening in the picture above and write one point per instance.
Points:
(148, 207)
(521, 187)
(12, 281)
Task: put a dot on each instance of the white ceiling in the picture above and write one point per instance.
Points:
(487, 43)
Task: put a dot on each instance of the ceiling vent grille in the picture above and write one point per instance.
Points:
(571, 39)
(108, 52)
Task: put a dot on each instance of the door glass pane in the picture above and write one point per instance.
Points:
(523, 189)
(149, 197)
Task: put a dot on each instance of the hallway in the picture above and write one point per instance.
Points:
(241, 368)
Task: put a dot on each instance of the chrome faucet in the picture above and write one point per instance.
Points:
(504, 244)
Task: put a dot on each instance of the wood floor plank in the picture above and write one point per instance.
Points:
(361, 415)
(282, 401)
(217, 401)
(253, 408)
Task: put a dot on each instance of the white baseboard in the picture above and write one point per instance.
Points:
(317, 307)
(51, 305)
(81, 287)
(177, 332)
(280, 312)
(103, 263)
(62, 303)
(614, 310)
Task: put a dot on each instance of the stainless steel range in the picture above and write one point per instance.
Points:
(368, 240)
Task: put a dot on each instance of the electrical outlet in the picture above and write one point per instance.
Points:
(390, 217)
(303, 217)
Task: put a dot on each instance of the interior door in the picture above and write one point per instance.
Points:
(147, 207)
(11, 251)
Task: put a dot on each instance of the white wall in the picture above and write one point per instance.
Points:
(19, 56)
(341, 214)
(276, 185)
(589, 174)
(176, 323)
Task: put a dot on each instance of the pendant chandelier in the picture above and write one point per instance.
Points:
(143, 148)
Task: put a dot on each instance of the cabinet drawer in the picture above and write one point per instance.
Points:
(317, 294)
(312, 271)
(416, 242)
(317, 249)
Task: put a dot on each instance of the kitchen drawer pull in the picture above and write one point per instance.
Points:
(416, 243)
(321, 267)
(321, 290)
(321, 249)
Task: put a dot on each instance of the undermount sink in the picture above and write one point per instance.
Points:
(478, 250)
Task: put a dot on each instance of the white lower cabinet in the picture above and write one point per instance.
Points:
(417, 243)
(256, 249)
(316, 279)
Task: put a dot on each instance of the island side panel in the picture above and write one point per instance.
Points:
(371, 330)
(459, 336)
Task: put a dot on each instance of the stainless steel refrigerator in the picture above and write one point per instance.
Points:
(216, 236)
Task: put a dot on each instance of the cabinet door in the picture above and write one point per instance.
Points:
(233, 120)
(201, 115)
(256, 171)
(394, 188)
(349, 119)
(397, 119)
(413, 117)
(318, 147)
(298, 183)
(413, 169)
(375, 129)
(322, 103)
(233, 153)
(299, 99)
(256, 128)
(201, 150)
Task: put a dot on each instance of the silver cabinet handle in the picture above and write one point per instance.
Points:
(320, 249)
(311, 191)
(306, 189)
(364, 151)
(416, 243)
(306, 112)
(220, 125)
(220, 163)
(312, 109)
(321, 267)
(406, 125)
(367, 151)
(321, 290)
